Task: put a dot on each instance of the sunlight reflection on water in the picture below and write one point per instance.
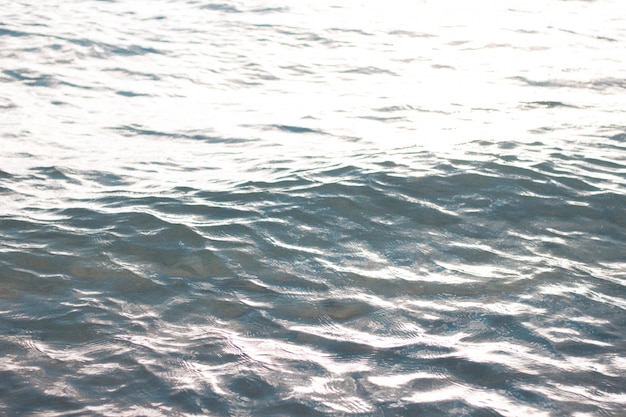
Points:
(312, 209)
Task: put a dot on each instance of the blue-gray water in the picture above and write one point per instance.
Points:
(400, 208)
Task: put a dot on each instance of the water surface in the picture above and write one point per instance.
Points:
(312, 209)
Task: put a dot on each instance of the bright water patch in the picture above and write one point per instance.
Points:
(232, 209)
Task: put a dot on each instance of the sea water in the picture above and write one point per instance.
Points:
(351, 208)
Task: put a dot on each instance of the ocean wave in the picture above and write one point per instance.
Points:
(229, 209)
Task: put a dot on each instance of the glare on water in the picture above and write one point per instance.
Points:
(312, 208)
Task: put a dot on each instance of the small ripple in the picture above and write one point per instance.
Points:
(13, 33)
(139, 130)
(368, 71)
(7, 104)
(294, 129)
(546, 104)
(106, 50)
(596, 84)
(31, 78)
(220, 7)
(131, 94)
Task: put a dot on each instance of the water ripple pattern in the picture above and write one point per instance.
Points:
(268, 208)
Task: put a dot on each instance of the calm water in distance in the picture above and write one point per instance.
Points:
(264, 208)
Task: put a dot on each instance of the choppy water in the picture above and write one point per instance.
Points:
(312, 208)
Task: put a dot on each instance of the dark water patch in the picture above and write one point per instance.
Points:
(442, 409)
(442, 66)
(208, 212)
(16, 226)
(290, 407)
(16, 283)
(412, 34)
(477, 373)
(55, 173)
(135, 384)
(56, 328)
(340, 311)
(382, 119)
(457, 42)
(199, 401)
(337, 174)
(172, 235)
(580, 348)
(56, 236)
(606, 38)
(370, 70)
(106, 178)
(198, 309)
(131, 94)
(160, 17)
(608, 200)
(257, 71)
(31, 78)
(299, 69)
(620, 137)
(597, 84)
(55, 46)
(221, 7)
(574, 184)
(106, 50)
(606, 164)
(395, 108)
(278, 187)
(511, 170)
(237, 197)
(543, 173)
(13, 33)
(32, 399)
(133, 222)
(5, 175)
(140, 131)
(473, 255)
(444, 193)
(346, 30)
(109, 277)
(172, 251)
(350, 206)
(333, 343)
(78, 218)
(244, 82)
(263, 10)
(252, 387)
(296, 129)
(546, 104)
(142, 202)
(48, 265)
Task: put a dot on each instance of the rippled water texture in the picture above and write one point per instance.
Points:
(407, 208)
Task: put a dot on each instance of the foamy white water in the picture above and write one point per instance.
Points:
(269, 208)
